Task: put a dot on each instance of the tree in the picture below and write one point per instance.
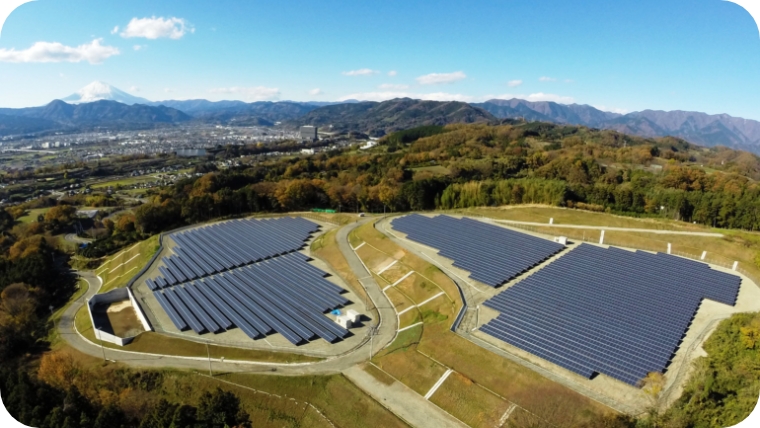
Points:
(60, 216)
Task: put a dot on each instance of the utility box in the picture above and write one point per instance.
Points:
(561, 240)
(343, 321)
(354, 316)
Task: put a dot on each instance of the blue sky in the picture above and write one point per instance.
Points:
(622, 55)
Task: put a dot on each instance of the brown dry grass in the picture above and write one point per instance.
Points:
(418, 288)
(469, 402)
(326, 249)
(412, 368)
(409, 318)
(378, 374)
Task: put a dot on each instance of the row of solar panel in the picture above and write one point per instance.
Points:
(488, 252)
(608, 311)
(216, 248)
(283, 295)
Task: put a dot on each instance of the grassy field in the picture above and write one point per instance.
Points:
(118, 269)
(420, 355)
(31, 215)
(53, 336)
(435, 170)
(271, 401)
(337, 398)
(542, 214)
(124, 182)
(154, 343)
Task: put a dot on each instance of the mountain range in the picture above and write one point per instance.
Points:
(102, 105)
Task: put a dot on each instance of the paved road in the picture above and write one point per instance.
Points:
(337, 364)
(618, 229)
(403, 402)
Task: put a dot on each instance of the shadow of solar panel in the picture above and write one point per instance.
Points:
(493, 255)
(609, 311)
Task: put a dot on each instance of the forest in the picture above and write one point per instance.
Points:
(460, 166)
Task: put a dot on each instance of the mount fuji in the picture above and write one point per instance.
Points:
(99, 91)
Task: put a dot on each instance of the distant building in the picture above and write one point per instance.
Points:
(307, 151)
(368, 145)
(308, 133)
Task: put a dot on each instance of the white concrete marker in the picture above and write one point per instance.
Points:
(402, 278)
(507, 414)
(410, 326)
(736, 265)
(111, 271)
(438, 384)
(704, 254)
(420, 304)
(669, 247)
(601, 238)
(387, 267)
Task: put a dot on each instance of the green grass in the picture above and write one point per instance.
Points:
(125, 182)
(31, 215)
(436, 169)
(117, 270)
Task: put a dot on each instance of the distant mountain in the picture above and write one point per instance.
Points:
(98, 91)
(378, 119)
(61, 115)
(261, 112)
(574, 114)
(695, 127)
(698, 128)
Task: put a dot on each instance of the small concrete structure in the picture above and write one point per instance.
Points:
(113, 296)
(561, 240)
(344, 321)
(354, 316)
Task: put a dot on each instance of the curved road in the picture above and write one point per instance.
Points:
(385, 334)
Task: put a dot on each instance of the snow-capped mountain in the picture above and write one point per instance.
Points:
(97, 91)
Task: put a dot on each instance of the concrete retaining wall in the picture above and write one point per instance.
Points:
(138, 310)
(117, 295)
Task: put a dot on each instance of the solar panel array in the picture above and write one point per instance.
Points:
(247, 274)
(609, 311)
(219, 247)
(493, 255)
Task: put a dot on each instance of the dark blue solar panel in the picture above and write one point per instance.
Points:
(493, 255)
(610, 311)
(253, 278)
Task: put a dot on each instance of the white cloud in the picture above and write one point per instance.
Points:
(115, 30)
(316, 91)
(514, 83)
(392, 73)
(157, 28)
(94, 53)
(139, 47)
(612, 109)
(258, 93)
(547, 79)
(538, 96)
(134, 89)
(389, 95)
(169, 90)
(569, 81)
(441, 78)
(361, 72)
(388, 86)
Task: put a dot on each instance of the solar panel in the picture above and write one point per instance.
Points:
(248, 274)
(493, 255)
(610, 311)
